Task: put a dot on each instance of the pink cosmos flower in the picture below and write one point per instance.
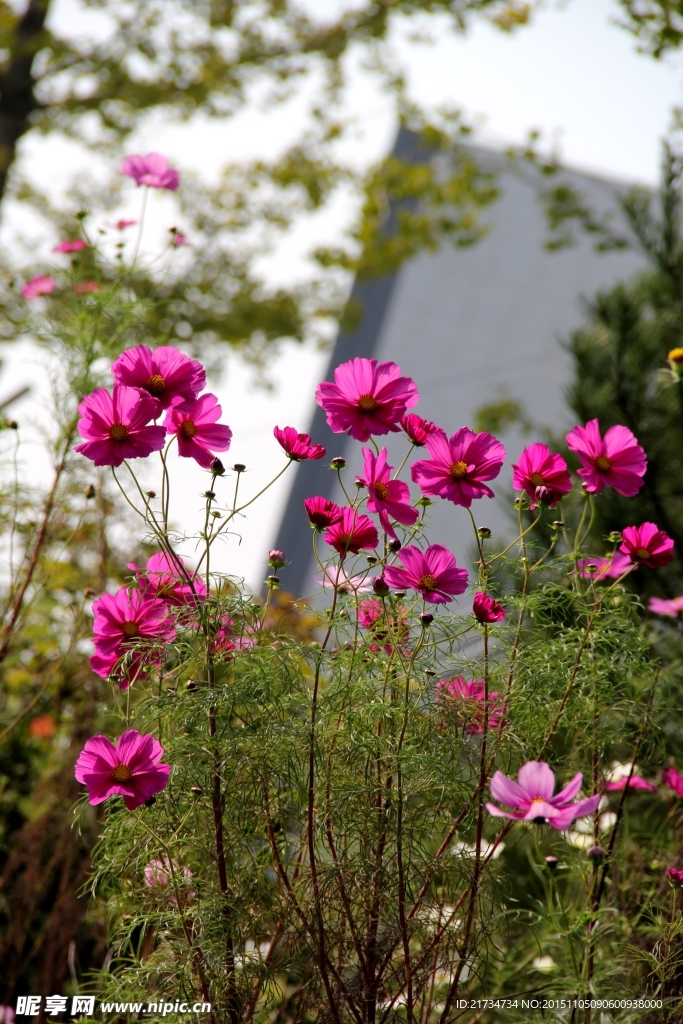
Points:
(671, 609)
(416, 429)
(166, 373)
(336, 578)
(676, 875)
(366, 398)
(370, 612)
(538, 467)
(131, 769)
(322, 512)
(372, 616)
(466, 701)
(42, 285)
(532, 797)
(225, 641)
(178, 239)
(459, 466)
(352, 532)
(159, 875)
(6, 1015)
(199, 435)
(434, 573)
(75, 246)
(648, 545)
(386, 497)
(674, 781)
(167, 579)
(618, 779)
(86, 287)
(611, 568)
(297, 446)
(121, 225)
(151, 170)
(617, 460)
(124, 619)
(485, 609)
(115, 427)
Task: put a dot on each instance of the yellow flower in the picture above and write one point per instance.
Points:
(675, 360)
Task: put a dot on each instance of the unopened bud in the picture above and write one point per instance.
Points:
(544, 495)
(484, 532)
(170, 689)
(239, 467)
(597, 854)
(196, 790)
(551, 862)
(191, 685)
(379, 585)
(338, 463)
(89, 592)
(217, 468)
(394, 545)
(276, 559)
(372, 559)
(429, 672)
(12, 424)
(426, 619)
(558, 524)
(591, 567)
(614, 537)
(91, 492)
(151, 802)
(151, 494)
(209, 494)
(273, 581)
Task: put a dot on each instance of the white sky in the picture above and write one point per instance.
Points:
(573, 75)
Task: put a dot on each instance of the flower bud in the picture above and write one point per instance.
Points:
(272, 581)
(151, 802)
(430, 672)
(239, 467)
(675, 361)
(545, 496)
(209, 494)
(338, 463)
(558, 524)
(372, 559)
(426, 619)
(191, 685)
(89, 592)
(484, 532)
(394, 545)
(217, 468)
(91, 492)
(170, 689)
(276, 559)
(591, 568)
(614, 537)
(151, 494)
(551, 862)
(196, 790)
(597, 854)
(379, 586)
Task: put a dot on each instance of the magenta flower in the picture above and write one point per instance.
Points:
(531, 797)
(434, 573)
(386, 497)
(366, 399)
(617, 460)
(648, 545)
(612, 568)
(416, 429)
(178, 239)
(671, 609)
(676, 875)
(352, 533)
(151, 170)
(322, 512)
(115, 427)
(538, 467)
(166, 373)
(370, 612)
(131, 769)
(297, 446)
(167, 579)
(123, 620)
(459, 466)
(485, 609)
(674, 781)
(75, 246)
(466, 700)
(199, 435)
(618, 779)
(43, 285)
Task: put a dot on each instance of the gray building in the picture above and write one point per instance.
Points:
(472, 327)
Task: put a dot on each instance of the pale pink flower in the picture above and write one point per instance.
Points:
(297, 446)
(674, 781)
(618, 778)
(75, 246)
(165, 372)
(416, 429)
(465, 701)
(366, 398)
(352, 533)
(648, 545)
(617, 460)
(6, 1015)
(166, 578)
(151, 170)
(322, 512)
(42, 285)
(116, 426)
(539, 467)
(531, 797)
(199, 435)
(670, 608)
(86, 287)
(159, 875)
(121, 225)
(485, 609)
(459, 466)
(386, 497)
(434, 573)
(178, 239)
(131, 769)
(611, 568)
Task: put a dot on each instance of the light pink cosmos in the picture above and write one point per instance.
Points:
(434, 573)
(352, 533)
(386, 497)
(121, 225)
(159, 875)
(75, 246)
(648, 545)
(466, 700)
(297, 446)
(674, 780)
(416, 429)
(166, 578)
(539, 467)
(612, 568)
(131, 769)
(122, 621)
(151, 170)
(670, 608)
(459, 466)
(322, 512)
(485, 609)
(178, 239)
(199, 435)
(42, 285)
(165, 372)
(366, 398)
(115, 427)
(531, 797)
(635, 782)
(617, 460)
(6, 1015)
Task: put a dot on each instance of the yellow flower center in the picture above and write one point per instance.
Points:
(130, 630)
(367, 403)
(188, 429)
(427, 582)
(675, 355)
(382, 491)
(603, 463)
(458, 470)
(537, 480)
(117, 432)
(122, 773)
(643, 553)
(156, 384)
